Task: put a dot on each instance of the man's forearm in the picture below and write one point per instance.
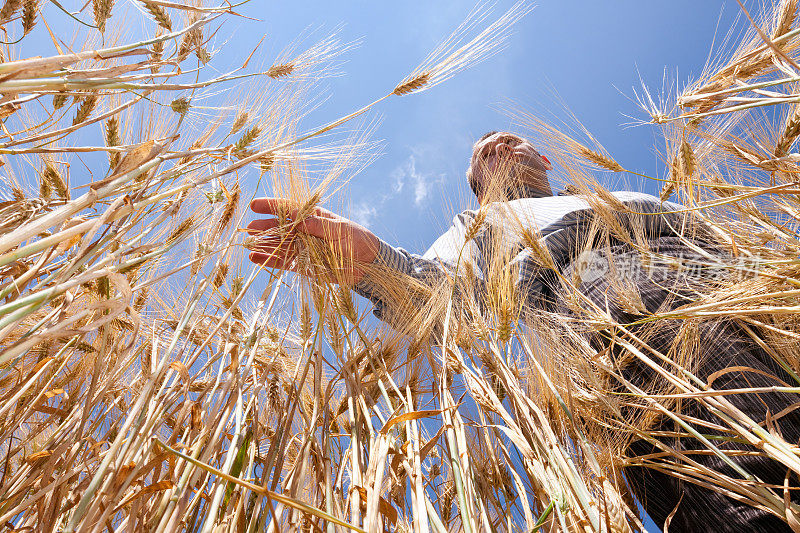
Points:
(393, 280)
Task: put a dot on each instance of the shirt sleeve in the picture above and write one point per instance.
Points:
(405, 269)
(399, 283)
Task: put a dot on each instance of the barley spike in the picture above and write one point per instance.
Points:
(29, 12)
(85, 109)
(413, 84)
(159, 15)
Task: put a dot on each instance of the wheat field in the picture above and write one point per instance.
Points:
(152, 379)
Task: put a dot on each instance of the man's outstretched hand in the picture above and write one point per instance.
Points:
(353, 245)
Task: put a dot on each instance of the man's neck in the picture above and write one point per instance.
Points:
(517, 193)
(527, 192)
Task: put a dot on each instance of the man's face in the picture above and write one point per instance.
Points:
(504, 160)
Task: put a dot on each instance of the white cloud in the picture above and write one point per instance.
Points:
(398, 180)
(421, 183)
(364, 213)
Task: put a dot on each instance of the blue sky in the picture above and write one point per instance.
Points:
(584, 56)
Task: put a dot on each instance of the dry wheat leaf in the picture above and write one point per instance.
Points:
(32, 458)
(384, 506)
(414, 415)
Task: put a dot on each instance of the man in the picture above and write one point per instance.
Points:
(509, 177)
(505, 171)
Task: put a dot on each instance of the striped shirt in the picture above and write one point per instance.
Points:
(558, 222)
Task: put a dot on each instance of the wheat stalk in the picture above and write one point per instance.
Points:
(412, 84)
(789, 134)
(599, 159)
(9, 9)
(29, 12)
(279, 71)
(159, 15)
(102, 12)
(85, 109)
(112, 138)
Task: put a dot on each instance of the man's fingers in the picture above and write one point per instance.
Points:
(273, 247)
(269, 260)
(271, 206)
(317, 227)
(276, 206)
(314, 226)
(261, 225)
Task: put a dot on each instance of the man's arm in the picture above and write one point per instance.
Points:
(389, 277)
(399, 283)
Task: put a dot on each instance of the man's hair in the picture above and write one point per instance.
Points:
(473, 183)
(486, 135)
